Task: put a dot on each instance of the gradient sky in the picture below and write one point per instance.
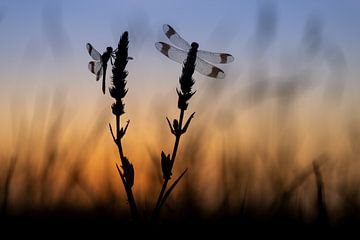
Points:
(42, 43)
(42, 35)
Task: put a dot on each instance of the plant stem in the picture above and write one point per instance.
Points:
(166, 181)
(177, 138)
(129, 193)
(121, 153)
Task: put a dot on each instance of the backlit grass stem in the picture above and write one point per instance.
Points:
(118, 92)
(177, 129)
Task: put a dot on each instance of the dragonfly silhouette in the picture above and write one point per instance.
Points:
(99, 65)
(203, 60)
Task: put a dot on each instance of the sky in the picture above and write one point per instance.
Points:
(42, 44)
(42, 34)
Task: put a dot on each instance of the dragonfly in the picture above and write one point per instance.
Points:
(204, 61)
(99, 65)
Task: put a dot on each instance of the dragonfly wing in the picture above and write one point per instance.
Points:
(215, 57)
(93, 52)
(180, 56)
(208, 69)
(175, 38)
(99, 74)
(94, 66)
(171, 52)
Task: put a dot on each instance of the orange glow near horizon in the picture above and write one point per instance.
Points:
(273, 139)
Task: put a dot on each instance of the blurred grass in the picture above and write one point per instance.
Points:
(253, 163)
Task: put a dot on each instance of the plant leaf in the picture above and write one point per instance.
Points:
(167, 194)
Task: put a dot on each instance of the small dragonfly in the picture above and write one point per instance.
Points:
(203, 60)
(99, 65)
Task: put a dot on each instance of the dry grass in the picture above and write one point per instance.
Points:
(228, 178)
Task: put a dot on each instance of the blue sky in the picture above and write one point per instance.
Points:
(48, 37)
(99, 21)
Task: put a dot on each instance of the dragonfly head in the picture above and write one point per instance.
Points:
(109, 49)
(195, 45)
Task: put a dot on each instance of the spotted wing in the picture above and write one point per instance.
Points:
(215, 57)
(93, 52)
(180, 56)
(178, 41)
(171, 52)
(175, 38)
(99, 74)
(209, 70)
(96, 68)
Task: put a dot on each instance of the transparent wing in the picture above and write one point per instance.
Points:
(207, 69)
(94, 66)
(171, 52)
(179, 56)
(175, 38)
(215, 57)
(178, 41)
(99, 74)
(93, 52)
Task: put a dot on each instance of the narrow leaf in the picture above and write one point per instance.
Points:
(187, 123)
(167, 194)
(127, 124)
(121, 176)
(171, 128)
(112, 133)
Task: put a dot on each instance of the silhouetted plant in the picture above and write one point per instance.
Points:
(321, 206)
(118, 92)
(5, 191)
(177, 128)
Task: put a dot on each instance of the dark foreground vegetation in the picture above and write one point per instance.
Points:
(77, 223)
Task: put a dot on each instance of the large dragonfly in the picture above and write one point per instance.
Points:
(99, 65)
(203, 60)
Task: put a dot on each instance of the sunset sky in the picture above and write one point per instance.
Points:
(46, 39)
(42, 45)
